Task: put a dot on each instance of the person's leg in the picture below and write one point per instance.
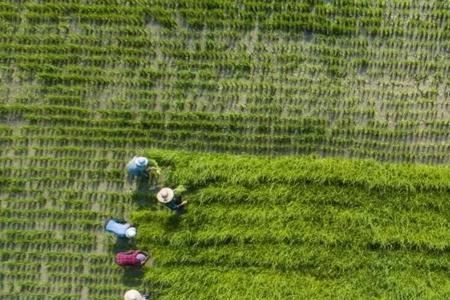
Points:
(179, 202)
(130, 178)
(143, 173)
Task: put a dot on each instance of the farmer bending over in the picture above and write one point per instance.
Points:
(138, 166)
(121, 229)
(141, 167)
(131, 258)
(172, 198)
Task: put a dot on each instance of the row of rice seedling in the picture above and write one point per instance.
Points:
(366, 132)
(57, 242)
(113, 127)
(362, 148)
(365, 139)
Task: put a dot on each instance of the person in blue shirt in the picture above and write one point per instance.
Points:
(143, 168)
(138, 166)
(122, 230)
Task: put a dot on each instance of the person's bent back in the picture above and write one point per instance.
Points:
(131, 258)
(122, 230)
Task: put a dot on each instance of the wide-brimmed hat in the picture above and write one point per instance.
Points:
(141, 161)
(133, 295)
(165, 195)
(130, 232)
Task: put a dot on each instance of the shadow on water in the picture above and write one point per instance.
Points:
(123, 244)
(144, 195)
(133, 276)
(308, 35)
(143, 184)
(172, 223)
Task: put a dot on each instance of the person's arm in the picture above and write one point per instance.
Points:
(120, 221)
(153, 168)
(181, 204)
(146, 257)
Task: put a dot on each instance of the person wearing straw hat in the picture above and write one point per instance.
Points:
(138, 166)
(172, 198)
(121, 229)
(135, 295)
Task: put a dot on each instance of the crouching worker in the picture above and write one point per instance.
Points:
(121, 229)
(138, 167)
(143, 168)
(135, 295)
(131, 258)
(172, 198)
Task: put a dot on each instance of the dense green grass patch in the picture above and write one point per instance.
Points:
(294, 228)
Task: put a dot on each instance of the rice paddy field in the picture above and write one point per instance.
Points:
(312, 138)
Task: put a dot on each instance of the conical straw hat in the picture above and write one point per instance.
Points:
(133, 295)
(141, 161)
(165, 195)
